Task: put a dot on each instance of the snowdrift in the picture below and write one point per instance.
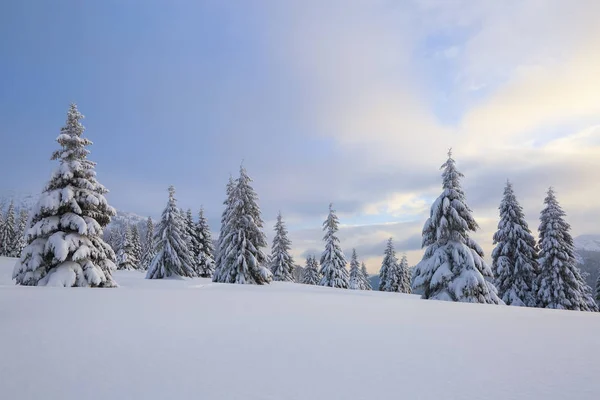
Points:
(192, 339)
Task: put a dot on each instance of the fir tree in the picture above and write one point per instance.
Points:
(65, 246)
(404, 276)
(194, 245)
(514, 259)
(172, 256)
(242, 258)
(148, 246)
(560, 284)
(282, 263)
(206, 263)
(333, 262)
(311, 274)
(21, 231)
(8, 245)
(365, 275)
(126, 258)
(388, 274)
(222, 233)
(452, 267)
(356, 275)
(136, 245)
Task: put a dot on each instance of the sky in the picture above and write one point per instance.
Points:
(353, 102)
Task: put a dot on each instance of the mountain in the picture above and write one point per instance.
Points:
(124, 218)
(587, 249)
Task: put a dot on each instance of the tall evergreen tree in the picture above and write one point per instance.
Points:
(21, 231)
(365, 275)
(311, 274)
(194, 246)
(228, 203)
(172, 256)
(333, 262)
(206, 262)
(514, 259)
(136, 245)
(126, 257)
(282, 263)
(404, 276)
(357, 281)
(243, 260)
(8, 245)
(560, 284)
(452, 267)
(65, 246)
(148, 245)
(388, 274)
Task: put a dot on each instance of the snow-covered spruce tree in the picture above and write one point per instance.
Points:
(452, 268)
(65, 246)
(356, 275)
(126, 257)
(136, 244)
(365, 277)
(311, 272)
(560, 284)
(243, 260)
(404, 276)
(148, 245)
(9, 233)
(206, 263)
(282, 263)
(172, 256)
(194, 246)
(21, 231)
(333, 263)
(388, 274)
(1, 228)
(222, 232)
(514, 259)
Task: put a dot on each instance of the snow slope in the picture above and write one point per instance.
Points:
(192, 339)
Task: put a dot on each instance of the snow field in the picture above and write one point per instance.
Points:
(191, 339)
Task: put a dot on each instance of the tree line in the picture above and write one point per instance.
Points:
(65, 245)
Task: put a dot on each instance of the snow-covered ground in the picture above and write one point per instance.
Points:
(192, 339)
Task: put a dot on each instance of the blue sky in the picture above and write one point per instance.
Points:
(354, 102)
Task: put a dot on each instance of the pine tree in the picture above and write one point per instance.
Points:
(242, 259)
(126, 258)
(404, 276)
(514, 259)
(194, 245)
(311, 274)
(65, 246)
(282, 263)
(148, 246)
(21, 231)
(388, 274)
(356, 275)
(172, 256)
(365, 276)
(560, 284)
(8, 245)
(206, 263)
(333, 262)
(136, 245)
(228, 203)
(452, 267)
